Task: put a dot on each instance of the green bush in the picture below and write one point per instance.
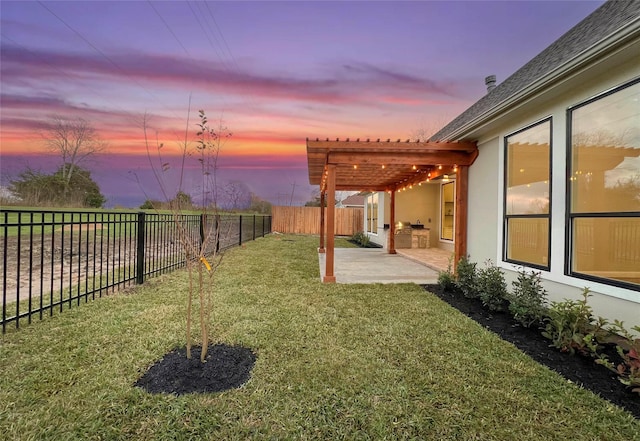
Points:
(527, 302)
(360, 238)
(570, 323)
(628, 348)
(466, 278)
(446, 278)
(492, 287)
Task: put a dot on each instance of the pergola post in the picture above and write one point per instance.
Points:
(462, 196)
(392, 223)
(322, 210)
(329, 276)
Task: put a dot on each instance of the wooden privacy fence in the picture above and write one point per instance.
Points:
(306, 220)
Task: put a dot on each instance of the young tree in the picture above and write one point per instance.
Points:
(75, 141)
(202, 256)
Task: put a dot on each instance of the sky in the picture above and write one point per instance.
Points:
(273, 73)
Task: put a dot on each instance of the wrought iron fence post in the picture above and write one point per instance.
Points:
(254, 227)
(240, 230)
(202, 228)
(217, 232)
(140, 248)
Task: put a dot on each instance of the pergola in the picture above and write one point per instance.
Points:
(386, 166)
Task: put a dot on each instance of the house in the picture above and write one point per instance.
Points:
(353, 201)
(556, 184)
(542, 173)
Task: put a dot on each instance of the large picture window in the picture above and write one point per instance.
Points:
(372, 213)
(603, 177)
(526, 196)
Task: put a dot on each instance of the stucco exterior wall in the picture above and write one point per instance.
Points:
(486, 188)
(419, 203)
(483, 220)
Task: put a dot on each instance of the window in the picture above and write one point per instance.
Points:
(603, 178)
(526, 196)
(447, 210)
(372, 213)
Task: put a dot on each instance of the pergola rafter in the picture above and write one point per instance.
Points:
(385, 166)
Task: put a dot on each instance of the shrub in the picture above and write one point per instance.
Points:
(466, 280)
(569, 324)
(492, 287)
(360, 238)
(446, 279)
(528, 299)
(628, 348)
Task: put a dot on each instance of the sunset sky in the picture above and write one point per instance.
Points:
(274, 72)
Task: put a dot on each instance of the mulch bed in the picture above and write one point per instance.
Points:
(226, 367)
(578, 369)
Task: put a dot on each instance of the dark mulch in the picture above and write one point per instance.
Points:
(580, 370)
(368, 245)
(226, 367)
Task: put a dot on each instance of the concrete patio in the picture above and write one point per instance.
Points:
(375, 265)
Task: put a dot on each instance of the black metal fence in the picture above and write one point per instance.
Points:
(52, 260)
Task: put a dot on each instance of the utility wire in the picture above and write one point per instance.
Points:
(113, 63)
(169, 28)
(236, 67)
(206, 33)
(66, 74)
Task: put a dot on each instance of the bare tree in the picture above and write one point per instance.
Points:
(427, 129)
(237, 195)
(75, 140)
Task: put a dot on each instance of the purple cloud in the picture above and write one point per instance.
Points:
(351, 83)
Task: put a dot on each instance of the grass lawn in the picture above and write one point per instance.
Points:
(354, 362)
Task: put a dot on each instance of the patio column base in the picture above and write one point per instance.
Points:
(329, 279)
(393, 252)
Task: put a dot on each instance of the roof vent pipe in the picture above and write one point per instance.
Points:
(490, 82)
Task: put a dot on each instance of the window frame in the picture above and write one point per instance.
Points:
(372, 208)
(506, 217)
(569, 215)
(442, 213)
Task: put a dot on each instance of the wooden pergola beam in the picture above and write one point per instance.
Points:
(421, 146)
(400, 158)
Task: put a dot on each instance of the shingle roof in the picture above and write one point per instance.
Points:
(604, 21)
(353, 200)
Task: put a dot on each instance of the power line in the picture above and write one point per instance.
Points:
(204, 30)
(107, 58)
(224, 40)
(233, 59)
(169, 28)
(43, 59)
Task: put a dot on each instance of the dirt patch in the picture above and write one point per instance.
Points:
(226, 367)
(83, 227)
(580, 370)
